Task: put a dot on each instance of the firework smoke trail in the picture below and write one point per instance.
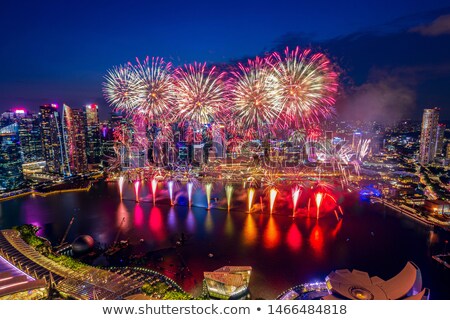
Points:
(189, 190)
(251, 194)
(136, 190)
(336, 215)
(254, 95)
(335, 202)
(208, 188)
(154, 186)
(229, 193)
(318, 198)
(295, 196)
(356, 166)
(121, 181)
(123, 88)
(200, 94)
(157, 96)
(273, 195)
(308, 87)
(170, 187)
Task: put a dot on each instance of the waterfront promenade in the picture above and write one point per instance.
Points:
(410, 213)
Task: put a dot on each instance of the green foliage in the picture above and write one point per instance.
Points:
(162, 291)
(175, 295)
(66, 261)
(28, 234)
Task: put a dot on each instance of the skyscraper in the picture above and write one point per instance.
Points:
(74, 127)
(93, 147)
(11, 175)
(30, 137)
(52, 139)
(447, 152)
(440, 139)
(428, 135)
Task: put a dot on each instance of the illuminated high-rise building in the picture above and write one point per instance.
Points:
(447, 151)
(30, 136)
(11, 175)
(93, 146)
(428, 135)
(74, 125)
(440, 139)
(52, 139)
(356, 140)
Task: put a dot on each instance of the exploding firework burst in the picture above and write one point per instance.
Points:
(200, 93)
(123, 88)
(270, 179)
(254, 95)
(156, 87)
(308, 87)
(363, 149)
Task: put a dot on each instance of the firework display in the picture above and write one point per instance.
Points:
(308, 86)
(157, 95)
(200, 93)
(294, 90)
(123, 88)
(255, 99)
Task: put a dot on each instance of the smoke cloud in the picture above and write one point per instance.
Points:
(385, 97)
(439, 26)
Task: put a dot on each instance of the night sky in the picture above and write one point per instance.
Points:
(394, 55)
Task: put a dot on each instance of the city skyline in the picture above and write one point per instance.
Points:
(372, 82)
(245, 150)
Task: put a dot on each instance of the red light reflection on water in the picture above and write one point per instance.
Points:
(271, 236)
(294, 238)
(156, 224)
(316, 239)
(138, 216)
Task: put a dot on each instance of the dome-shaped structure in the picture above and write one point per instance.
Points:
(83, 244)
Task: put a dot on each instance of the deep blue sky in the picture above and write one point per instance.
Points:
(58, 51)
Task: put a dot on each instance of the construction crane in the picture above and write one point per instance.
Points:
(67, 231)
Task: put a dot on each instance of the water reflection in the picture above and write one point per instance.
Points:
(122, 212)
(287, 251)
(34, 213)
(271, 237)
(209, 224)
(190, 221)
(316, 239)
(229, 226)
(249, 231)
(156, 224)
(294, 238)
(138, 216)
(172, 219)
